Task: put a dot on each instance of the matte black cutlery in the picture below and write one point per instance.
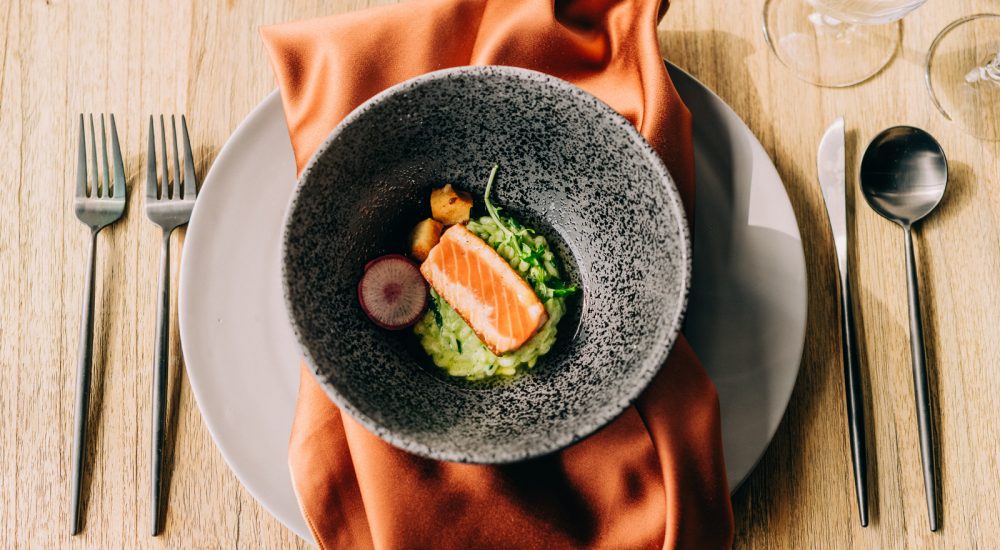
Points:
(904, 174)
(97, 205)
(169, 206)
(830, 165)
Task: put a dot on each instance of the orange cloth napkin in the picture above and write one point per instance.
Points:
(652, 478)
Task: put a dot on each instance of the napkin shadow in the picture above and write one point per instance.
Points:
(541, 487)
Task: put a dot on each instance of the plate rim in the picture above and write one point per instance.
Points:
(801, 257)
(229, 149)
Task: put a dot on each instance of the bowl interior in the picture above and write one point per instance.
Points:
(569, 166)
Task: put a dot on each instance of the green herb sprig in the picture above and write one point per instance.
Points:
(530, 249)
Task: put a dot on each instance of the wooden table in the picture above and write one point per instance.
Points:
(60, 58)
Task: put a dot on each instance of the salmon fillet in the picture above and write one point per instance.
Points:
(484, 289)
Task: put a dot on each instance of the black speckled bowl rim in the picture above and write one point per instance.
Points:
(641, 379)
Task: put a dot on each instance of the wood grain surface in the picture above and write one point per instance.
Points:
(204, 58)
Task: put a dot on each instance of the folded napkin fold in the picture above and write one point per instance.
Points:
(652, 478)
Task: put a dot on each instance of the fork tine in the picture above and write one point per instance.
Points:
(190, 180)
(165, 187)
(116, 158)
(104, 157)
(151, 164)
(95, 186)
(177, 160)
(81, 165)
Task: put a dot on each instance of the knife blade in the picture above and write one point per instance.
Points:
(831, 169)
(830, 165)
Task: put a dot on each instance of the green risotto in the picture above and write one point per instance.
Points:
(453, 345)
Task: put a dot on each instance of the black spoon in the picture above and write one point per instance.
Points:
(904, 173)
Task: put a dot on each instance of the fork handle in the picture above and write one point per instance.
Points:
(160, 354)
(84, 362)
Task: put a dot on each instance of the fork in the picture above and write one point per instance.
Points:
(97, 207)
(169, 209)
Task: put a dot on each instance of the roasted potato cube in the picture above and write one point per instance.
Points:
(450, 206)
(424, 237)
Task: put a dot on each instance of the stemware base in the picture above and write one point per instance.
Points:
(826, 51)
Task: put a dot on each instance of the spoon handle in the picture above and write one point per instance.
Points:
(920, 383)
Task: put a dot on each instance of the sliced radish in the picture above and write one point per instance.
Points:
(392, 291)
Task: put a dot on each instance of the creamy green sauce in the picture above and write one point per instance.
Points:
(452, 344)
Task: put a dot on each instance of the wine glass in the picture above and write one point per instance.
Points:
(835, 43)
(963, 74)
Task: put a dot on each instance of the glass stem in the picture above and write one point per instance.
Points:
(990, 72)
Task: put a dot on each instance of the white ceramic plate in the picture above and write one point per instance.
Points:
(746, 316)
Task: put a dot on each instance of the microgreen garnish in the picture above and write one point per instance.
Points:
(522, 240)
(493, 211)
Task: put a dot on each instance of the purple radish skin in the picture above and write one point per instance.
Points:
(392, 292)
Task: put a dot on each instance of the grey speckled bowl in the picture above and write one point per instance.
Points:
(571, 167)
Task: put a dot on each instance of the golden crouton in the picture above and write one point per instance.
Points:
(450, 206)
(424, 237)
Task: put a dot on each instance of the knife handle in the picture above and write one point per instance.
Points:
(855, 401)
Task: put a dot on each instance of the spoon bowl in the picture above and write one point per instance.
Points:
(904, 173)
